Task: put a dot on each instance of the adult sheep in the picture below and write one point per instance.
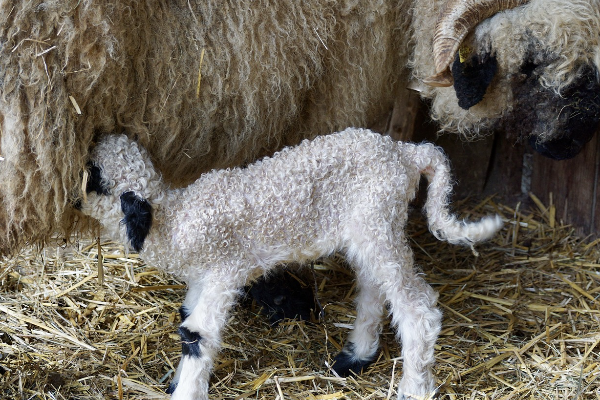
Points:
(532, 70)
(204, 84)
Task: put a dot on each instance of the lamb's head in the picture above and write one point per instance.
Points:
(121, 185)
(532, 69)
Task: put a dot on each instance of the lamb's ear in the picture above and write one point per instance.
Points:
(94, 183)
(137, 220)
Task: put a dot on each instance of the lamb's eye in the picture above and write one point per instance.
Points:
(94, 183)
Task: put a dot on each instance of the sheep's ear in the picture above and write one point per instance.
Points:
(472, 78)
(137, 220)
(94, 183)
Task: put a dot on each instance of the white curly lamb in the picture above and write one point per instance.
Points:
(346, 192)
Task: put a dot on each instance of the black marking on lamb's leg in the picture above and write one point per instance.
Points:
(346, 361)
(171, 388)
(138, 218)
(190, 342)
(183, 313)
(94, 183)
(472, 78)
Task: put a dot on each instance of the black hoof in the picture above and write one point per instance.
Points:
(346, 363)
(171, 388)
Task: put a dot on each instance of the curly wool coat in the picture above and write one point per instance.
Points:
(344, 192)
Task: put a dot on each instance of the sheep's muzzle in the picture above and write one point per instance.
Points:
(555, 125)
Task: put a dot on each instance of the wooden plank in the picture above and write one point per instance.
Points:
(507, 169)
(572, 185)
(404, 115)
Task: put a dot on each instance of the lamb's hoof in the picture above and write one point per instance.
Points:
(406, 396)
(171, 388)
(346, 362)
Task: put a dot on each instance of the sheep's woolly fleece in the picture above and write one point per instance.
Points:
(205, 84)
(201, 84)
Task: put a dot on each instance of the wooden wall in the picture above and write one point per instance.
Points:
(498, 164)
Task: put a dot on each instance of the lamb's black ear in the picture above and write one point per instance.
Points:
(472, 78)
(137, 220)
(94, 183)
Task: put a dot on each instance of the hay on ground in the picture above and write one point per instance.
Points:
(521, 321)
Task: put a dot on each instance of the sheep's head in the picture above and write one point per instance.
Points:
(532, 68)
(121, 180)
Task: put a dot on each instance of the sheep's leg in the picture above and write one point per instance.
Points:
(361, 346)
(388, 264)
(201, 336)
(418, 323)
(191, 299)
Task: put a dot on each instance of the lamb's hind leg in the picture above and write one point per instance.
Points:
(418, 322)
(362, 344)
(201, 336)
(412, 304)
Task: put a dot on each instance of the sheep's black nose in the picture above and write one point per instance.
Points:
(559, 149)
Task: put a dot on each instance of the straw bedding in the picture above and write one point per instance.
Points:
(521, 321)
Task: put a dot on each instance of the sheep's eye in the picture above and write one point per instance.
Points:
(528, 68)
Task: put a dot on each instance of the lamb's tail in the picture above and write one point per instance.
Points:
(443, 224)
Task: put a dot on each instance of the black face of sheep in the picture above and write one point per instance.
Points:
(570, 118)
(532, 70)
(472, 78)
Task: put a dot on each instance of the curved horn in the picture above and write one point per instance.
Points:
(454, 23)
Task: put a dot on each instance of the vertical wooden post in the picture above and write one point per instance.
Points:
(402, 122)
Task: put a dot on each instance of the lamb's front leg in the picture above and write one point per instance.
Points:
(201, 335)
(191, 299)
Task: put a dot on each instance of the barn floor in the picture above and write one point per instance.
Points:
(521, 321)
